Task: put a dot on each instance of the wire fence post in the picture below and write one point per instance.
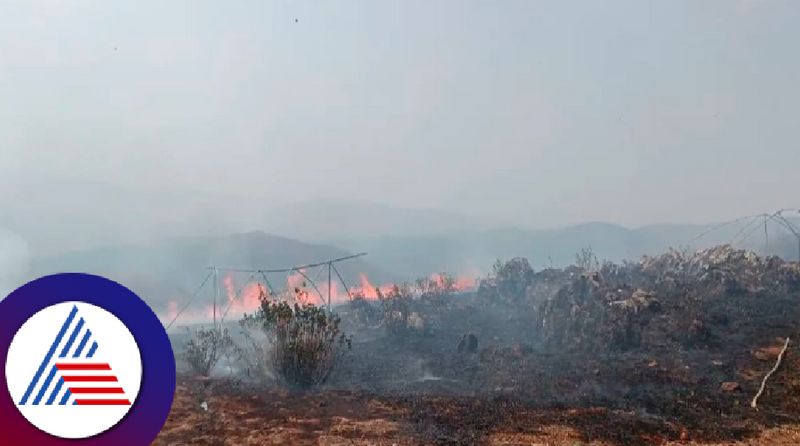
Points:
(329, 287)
(216, 294)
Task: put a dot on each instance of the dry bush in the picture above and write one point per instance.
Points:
(396, 305)
(439, 285)
(400, 309)
(508, 282)
(205, 348)
(363, 312)
(587, 260)
(434, 303)
(303, 342)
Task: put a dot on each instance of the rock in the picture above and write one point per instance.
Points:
(759, 354)
(730, 386)
(767, 353)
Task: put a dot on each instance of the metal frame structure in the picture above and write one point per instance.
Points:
(753, 223)
(213, 272)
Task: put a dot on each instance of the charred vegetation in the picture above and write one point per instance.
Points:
(669, 348)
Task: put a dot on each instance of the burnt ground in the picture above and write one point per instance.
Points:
(330, 417)
(651, 373)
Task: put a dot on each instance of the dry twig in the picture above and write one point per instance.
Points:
(754, 403)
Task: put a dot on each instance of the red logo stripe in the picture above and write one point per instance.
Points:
(70, 366)
(96, 390)
(90, 379)
(102, 402)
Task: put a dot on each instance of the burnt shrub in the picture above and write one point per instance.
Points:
(408, 308)
(303, 341)
(508, 282)
(434, 303)
(205, 348)
(396, 306)
(587, 260)
(437, 286)
(363, 312)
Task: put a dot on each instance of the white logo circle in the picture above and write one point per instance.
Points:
(73, 370)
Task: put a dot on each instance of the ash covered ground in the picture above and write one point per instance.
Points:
(667, 350)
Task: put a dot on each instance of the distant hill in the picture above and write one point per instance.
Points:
(171, 269)
(138, 228)
(334, 220)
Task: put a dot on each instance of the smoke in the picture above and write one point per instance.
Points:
(14, 261)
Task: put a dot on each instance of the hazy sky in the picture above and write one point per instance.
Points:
(540, 113)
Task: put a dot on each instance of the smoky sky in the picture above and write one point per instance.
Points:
(539, 113)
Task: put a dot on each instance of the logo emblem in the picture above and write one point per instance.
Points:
(95, 369)
(89, 358)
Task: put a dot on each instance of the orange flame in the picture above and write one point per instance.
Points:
(368, 290)
(460, 283)
(249, 298)
(229, 288)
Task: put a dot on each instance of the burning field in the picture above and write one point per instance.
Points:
(668, 350)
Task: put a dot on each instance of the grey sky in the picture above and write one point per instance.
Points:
(537, 113)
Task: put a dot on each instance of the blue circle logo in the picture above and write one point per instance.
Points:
(85, 361)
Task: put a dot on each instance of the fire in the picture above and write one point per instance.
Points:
(248, 298)
(459, 283)
(229, 289)
(367, 290)
(440, 281)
